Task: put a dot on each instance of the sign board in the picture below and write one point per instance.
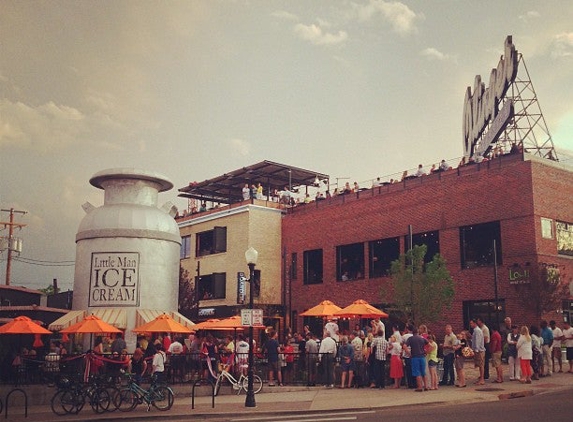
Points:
(250, 317)
(241, 288)
(114, 279)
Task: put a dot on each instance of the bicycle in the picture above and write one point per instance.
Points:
(237, 384)
(71, 397)
(158, 395)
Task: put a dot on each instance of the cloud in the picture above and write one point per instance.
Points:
(434, 54)
(314, 34)
(44, 127)
(529, 16)
(398, 15)
(241, 146)
(562, 45)
(283, 14)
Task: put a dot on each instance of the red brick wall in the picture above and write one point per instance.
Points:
(508, 189)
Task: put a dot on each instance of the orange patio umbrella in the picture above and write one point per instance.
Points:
(323, 309)
(23, 325)
(91, 325)
(164, 323)
(206, 325)
(360, 308)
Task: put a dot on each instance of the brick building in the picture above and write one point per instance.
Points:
(521, 201)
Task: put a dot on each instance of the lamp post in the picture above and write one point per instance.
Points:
(251, 256)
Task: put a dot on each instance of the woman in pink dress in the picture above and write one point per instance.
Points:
(396, 368)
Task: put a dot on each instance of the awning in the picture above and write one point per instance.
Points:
(147, 315)
(114, 316)
(66, 320)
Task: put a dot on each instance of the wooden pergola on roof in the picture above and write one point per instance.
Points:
(227, 188)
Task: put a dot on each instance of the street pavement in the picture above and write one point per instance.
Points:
(297, 400)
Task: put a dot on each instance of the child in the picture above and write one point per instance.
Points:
(432, 357)
(396, 368)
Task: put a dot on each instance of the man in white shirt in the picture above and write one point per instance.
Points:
(331, 327)
(326, 354)
(242, 354)
(568, 339)
(556, 353)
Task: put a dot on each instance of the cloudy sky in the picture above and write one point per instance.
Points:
(192, 89)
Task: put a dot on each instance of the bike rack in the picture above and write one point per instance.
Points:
(25, 401)
(198, 382)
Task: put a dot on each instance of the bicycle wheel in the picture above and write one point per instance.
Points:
(162, 398)
(113, 393)
(125, 400)
(218, 384)
(56, 403)
(257, 384)
(100, 400)
(72, 402)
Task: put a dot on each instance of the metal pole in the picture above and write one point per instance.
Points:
(250, 400)
(495, 283)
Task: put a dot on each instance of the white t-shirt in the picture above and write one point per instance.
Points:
(159, 362)
(332, 329)
(176, 348)
(568, 337)
(242, 351)
(557, 333)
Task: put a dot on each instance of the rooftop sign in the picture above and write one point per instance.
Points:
(482, 106)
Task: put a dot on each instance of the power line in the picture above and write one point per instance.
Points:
(45, 263)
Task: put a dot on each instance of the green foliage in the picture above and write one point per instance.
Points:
(421, 291)
(49, 290)
(188, 304)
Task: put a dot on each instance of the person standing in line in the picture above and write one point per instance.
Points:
(379, 349)
(358, 346)
(272, 349)
(486, 339)
(158, 363)
(546, 349)
(479, 350)
(137, 365)
(432, 361)
(410, 381)
(495, 349)
(512, 359)
(311, 353)
(525, 354)
(417, 345)
(326, 354)
(556, 354)
(450, 340)
(396, 367)
(460, 358)
(568, 339)
(346, 354)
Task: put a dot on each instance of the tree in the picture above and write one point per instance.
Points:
(49, 290)
(421, 291)
(188, 304)
(545, 291)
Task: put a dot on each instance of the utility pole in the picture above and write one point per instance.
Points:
(13, 244)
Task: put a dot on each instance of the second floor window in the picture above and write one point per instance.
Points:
(350, 262)
(312, 266)
(211, 241)
(185, 247)
(382, 253)
(212, 286)
(476, 244)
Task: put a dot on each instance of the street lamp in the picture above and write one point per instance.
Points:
(251, 256)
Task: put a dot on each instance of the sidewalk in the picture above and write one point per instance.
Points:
(292, 400)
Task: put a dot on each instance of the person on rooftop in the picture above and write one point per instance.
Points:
(444, 166)
(421, 171)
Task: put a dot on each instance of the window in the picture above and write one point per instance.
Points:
(485, 310)
(546, 228)
(312, 266)
(293, 264)
(382, 253)
(350, 262)
(211, 242)
(564, 234)
(476, 244)
(212, 286)
(185, 247)
(430, 239)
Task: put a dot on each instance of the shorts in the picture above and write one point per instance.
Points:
(274, 366)
(418, 366)
(459, 362)
(432, 363)
(496, 359)
(479, 359)
(557, 352)
(570, 353)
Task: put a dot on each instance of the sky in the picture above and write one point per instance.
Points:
(193, 89)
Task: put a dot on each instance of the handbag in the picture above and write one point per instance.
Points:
(467, 352)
